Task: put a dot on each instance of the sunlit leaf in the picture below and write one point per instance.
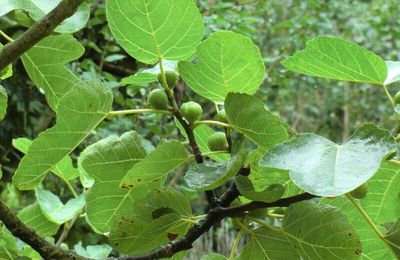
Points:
(254, 120)
(335, 58)
(148, 75)
(55, 210)
(393, 72)
(149, 29)
(93, 252)
(220, 70)
(163, 160)
(321, 167)
(107, 161)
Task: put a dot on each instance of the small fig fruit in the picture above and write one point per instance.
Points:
(191, 111)
(360, 192)
(158, 99)
(222, 116)
(172, 78)
(217, 142)
(397, 98)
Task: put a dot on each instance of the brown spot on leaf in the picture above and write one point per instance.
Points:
(358, 252)
(172, 236)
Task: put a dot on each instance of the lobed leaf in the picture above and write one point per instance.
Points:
(150, 29)
(33, 217)
(220, 70)
(335, 58)
(93, 252)
(107, 161)
(270, 194)
(323, 168)
(160, 218)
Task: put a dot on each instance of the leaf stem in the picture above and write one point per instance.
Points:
(138, 111)
(71, 189)
(394, 162)
(389, 96)
(8, 38)
(235, 245)
(211, 122)
(369, 220)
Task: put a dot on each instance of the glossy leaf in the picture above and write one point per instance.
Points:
(335, 58)
(3, 102)
(93, 252)
(33, 217)
(382, 204)
(323, 168)
(150, 29)
(55, 210)
(393, 72)
(270, 194)
(304, 236)
(221, 70)
(37, 9)
(63, 169)
(211, 175)
(107, 161)
(254, 120)
(154, 221)
(163, 160)
(45, 64)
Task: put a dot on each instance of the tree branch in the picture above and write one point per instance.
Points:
(29, 236)
(38, 31)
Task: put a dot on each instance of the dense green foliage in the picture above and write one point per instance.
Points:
(120, 128)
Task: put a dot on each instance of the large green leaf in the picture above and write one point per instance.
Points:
(321, 167)
(254, 120)
(45, 64)
(309, 232)
(153, 29)
(33, 217)
(335, 58)
(160, 218)
(382, 204)
(55, 210)
(64, 169)
(163, 160)
(37, 9)
(107, 161)
(228, 62)
(93, 252)
(211, 175)
(79, 111)
(3, 102)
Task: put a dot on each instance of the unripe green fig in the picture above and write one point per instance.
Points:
(191, 111)
(397, 98)
(217, 142)
(360, 192)
(222, 116)
(158, 99)
(172, 78)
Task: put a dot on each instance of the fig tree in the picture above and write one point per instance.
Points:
(397, 98)
(158, 99)
(172, 78)
(222, 116)
(191, 111)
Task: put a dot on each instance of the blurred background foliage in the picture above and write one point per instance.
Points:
(279, 27)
